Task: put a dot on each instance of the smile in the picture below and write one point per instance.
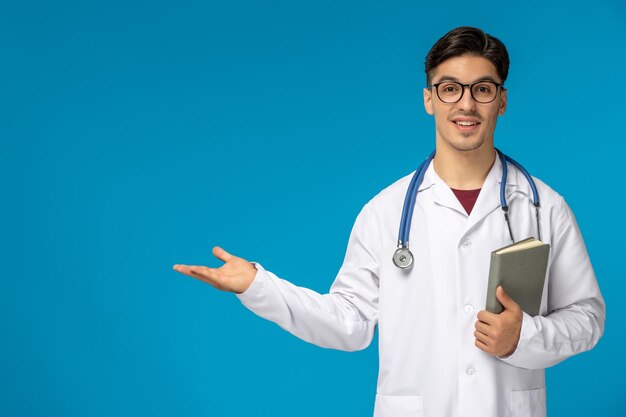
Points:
(466, 125)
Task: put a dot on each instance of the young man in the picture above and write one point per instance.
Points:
(439, 355)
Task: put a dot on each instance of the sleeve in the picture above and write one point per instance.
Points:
(343, 319)
(576, 309)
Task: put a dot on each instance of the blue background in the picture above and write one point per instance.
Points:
(136, 135)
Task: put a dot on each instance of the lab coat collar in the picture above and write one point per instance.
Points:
(488, 199)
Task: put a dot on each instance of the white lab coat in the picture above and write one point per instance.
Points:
(429, 365)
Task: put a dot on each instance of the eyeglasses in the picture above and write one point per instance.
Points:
(481, 91)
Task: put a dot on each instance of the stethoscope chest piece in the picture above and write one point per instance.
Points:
(403, 258)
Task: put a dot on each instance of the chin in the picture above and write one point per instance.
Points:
(466, 145)
(468, 148)
(463, 141)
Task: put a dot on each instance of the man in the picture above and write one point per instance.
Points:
(439, 355)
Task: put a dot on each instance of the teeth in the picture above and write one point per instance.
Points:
(465, 123)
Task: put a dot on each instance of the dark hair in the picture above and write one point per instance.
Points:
(466, 40)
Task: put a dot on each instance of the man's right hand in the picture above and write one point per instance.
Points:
(235, 275)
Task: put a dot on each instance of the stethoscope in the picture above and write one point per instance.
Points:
(402, 257)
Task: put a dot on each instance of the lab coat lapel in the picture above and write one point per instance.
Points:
(441, 192)
(489, 197)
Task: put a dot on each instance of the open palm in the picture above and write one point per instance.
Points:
(235, 275)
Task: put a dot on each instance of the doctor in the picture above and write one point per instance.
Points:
(440, 353)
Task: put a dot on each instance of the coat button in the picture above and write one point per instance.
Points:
(468, 308)
(466, 243)
(470, 371)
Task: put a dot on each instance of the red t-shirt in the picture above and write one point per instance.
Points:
(467, 198)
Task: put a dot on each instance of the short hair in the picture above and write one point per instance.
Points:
(466, 40)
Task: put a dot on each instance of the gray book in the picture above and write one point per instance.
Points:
(521, 270)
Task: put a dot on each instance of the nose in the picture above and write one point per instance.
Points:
(466, 102)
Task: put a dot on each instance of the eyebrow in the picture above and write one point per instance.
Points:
(451, 78)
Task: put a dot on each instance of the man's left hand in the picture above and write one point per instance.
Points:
(498, 334)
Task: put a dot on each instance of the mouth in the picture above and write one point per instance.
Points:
(466, 124)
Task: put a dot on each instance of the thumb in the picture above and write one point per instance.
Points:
(504, 298)
(221, 254)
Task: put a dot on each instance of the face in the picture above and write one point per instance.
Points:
(465, 125)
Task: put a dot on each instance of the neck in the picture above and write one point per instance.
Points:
(464, 170)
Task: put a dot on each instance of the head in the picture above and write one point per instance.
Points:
(466, 55)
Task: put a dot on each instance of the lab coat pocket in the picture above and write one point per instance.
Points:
(398, 406)
(529, 403)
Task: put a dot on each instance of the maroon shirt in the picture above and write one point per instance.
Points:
(467, 198)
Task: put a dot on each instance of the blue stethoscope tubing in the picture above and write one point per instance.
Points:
(402, 257)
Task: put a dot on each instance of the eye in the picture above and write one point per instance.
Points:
(449, 88)
(483, 88)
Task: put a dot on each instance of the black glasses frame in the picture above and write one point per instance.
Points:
(436, 86)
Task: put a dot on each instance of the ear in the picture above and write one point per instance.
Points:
(503, 99)
(428, 100)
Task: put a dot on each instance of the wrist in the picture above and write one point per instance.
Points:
(248, 280)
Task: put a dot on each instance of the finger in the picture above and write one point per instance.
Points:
(503, 297)
(487, 316)
(482, 337)
(203, 271)
(482, 346)
(210, 276)
(484, 328)
(195, 271)
(183, 269)
(221, 254)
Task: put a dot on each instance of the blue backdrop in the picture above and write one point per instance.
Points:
(136, 135)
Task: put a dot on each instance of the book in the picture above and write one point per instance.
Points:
(521, 270)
